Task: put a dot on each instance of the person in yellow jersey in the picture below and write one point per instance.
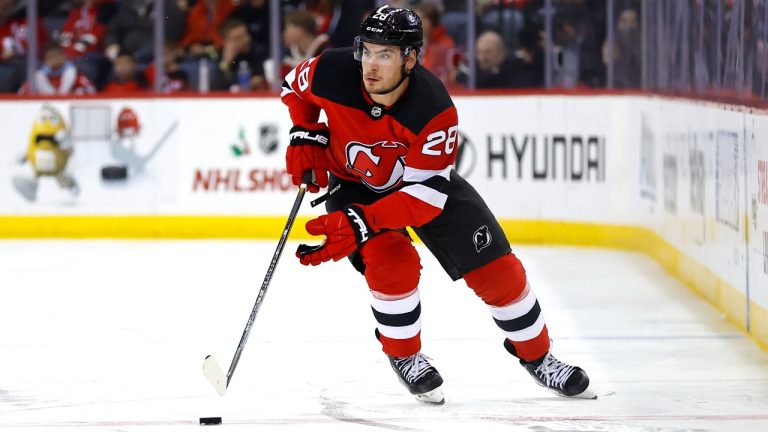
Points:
(48, 153)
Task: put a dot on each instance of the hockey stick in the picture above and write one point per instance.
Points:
(211, 367)
(132, 158)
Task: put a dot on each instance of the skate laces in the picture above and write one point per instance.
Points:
(414, 367)
(553, 371)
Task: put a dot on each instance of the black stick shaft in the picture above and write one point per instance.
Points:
(267, 279)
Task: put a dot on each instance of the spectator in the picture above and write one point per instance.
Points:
(504, 17)
(455, 21)
(529, 58)
(439, 49)
(132, 29)
(58, 76)
(301, 37)
(85, 28)
(240, 68)
(255, 15)
(14, 30)
(323, 11)
(202, 34)
(13, 45)
(347, 27)
(54, 13)
(495, 69)
(82, 37)
(126, 79)
(301, 40)
(175, 78)
(626, 55)
(577, 57)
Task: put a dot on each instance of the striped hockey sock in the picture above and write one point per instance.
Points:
(399, 324)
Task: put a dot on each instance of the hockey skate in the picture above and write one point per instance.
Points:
(563, 379)
(420, 377)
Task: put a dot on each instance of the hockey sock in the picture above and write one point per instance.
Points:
(392, 270)
(399, 324)
(503, 286)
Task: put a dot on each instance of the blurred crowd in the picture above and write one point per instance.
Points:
(107, 46)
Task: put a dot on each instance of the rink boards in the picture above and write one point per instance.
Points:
(683, 181)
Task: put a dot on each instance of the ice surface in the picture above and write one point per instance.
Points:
(111, 335)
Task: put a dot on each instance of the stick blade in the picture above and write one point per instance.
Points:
(215, 375)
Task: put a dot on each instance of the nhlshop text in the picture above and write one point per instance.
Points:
(240, 180)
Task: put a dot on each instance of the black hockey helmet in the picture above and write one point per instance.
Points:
(391, 26)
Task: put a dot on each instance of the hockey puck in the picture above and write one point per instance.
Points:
(210, 420)
(114, 172)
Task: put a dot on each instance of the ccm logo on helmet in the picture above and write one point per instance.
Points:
(379, 166)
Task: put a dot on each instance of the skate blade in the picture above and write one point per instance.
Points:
(588, 393)
(434, 397)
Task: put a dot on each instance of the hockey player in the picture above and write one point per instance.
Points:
(390, 144)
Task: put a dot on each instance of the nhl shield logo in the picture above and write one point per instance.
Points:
(376, 111)
(268, 138)
(482, 238)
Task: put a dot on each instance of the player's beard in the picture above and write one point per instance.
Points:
(388, 89)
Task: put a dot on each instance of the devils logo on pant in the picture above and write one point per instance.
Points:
(482, 238)
(379, 166)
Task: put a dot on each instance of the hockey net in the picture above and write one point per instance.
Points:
(90, 122)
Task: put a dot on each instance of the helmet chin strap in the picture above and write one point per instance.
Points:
(403, 75)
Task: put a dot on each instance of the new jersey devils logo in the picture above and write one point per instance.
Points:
(379, 166)
(482, 238)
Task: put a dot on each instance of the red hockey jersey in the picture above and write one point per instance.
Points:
(405, 151)
(83, 33)
(14, 36)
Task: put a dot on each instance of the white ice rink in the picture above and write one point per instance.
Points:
(111, 335)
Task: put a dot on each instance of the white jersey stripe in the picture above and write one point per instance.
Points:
(426, 194)
(415, 175)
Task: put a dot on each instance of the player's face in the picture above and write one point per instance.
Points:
(382, 66)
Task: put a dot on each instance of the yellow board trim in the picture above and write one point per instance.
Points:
(148, 227)
(693, 274)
